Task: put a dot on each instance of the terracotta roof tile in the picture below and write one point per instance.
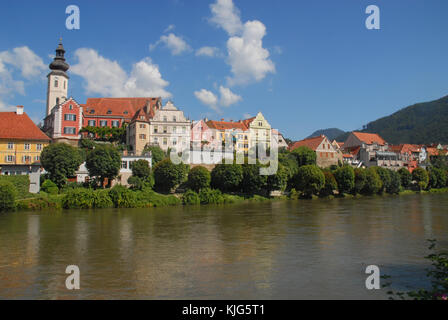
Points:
(14, 126)
(224, 125)
(369, 138)
(123, 107)
(311, 143)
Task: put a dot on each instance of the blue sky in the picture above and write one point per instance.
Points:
(306, 65)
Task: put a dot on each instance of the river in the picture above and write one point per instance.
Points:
(316, 249)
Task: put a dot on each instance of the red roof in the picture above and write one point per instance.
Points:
(311, 143)
(432, 151)
(405, 148)
(247, 122)
(224, 125)
(14, 126)
(123, 107)
(369, 138)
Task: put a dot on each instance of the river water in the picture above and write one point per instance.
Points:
(316, 249)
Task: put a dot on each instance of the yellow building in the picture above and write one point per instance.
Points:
(259, 131)
(21, 143)
(236, 132)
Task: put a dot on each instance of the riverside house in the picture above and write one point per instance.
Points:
(326, 153)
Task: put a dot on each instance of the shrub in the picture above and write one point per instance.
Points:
(227, 177)
(211, 196)
(293, 194)
(138, 183)
(141, 169)
(167, 175)
(190, 198)
(360, 180)
(102, 199)
(8, 195)
(198, 178)
(385, 178)
(330, 184)
(373, 182)
(395, 183)
(78, 199)
(253, 182)
(405, 177)
(345, 177)
(157, 154)
(229, 198)
(148, 197)
(49, 187)
(41, 203)
(421, 176)
(305, 156)
(122, 197)
(309, 179)
(279, 180)
(437, 178)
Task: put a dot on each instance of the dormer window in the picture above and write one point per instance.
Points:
(126, 112)
(109, 111)
(92, 111)
(70, 107)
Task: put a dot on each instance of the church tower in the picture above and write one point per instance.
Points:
(57, 79)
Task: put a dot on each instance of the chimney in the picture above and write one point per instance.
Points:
(19, 110)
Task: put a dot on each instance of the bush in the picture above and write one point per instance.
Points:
(102, 199)
(437, 178)
(293, 194)
(227, 177)
(305, 156)
(229, 198)
(21, 183)
(211, 196)
(122, 197)
(138, 183)
(8, 195)
(190, 198)
(157, 154)
(49, 187)
(385, 178)
(199, 178)
(167, 175)
(309, 179)
(78, 199)
(421, 176)
(394, 186)
(360, 180)
(405, 177)
(330, 184)
(141, 169)
(279, 180)
(253, 182)
(148, 198)
(345, 177)
(373, 182)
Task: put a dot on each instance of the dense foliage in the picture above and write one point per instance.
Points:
(405, 177)
(61, 161)
(21, 183)
(309, 179)
(8, 195)
(345, 177)
(199, 178)
(104, 162)
(227, 177)
(190, 198)
(168, 175)
(49, 187)
(157, 154)
(421, 176)
(305, 156)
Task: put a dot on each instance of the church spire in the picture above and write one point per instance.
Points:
(58, 63)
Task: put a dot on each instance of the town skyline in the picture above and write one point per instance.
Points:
(199, 64)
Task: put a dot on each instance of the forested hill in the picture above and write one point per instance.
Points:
(417, 124)
(331, 133)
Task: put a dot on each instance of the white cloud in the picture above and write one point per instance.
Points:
(228, 97)
(208, 98)
(248, 60)
(175, 44)
(107, 78)
(24, 59)
(169, 28)
(208, 52)
(226, 16)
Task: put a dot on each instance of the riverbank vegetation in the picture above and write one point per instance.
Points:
(166, 184)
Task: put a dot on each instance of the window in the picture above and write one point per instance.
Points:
(92, 111)
(126, 112)
(69, 130)
(142, 117)
(165, 141)
(70, 107)
(39, 147)
(156, 140)
(26, 159)
(91, 123)
(57, 101)
(36, 158)
(70, 117)
(124, 164)
(174, 129)
(184, 129)
(142, 136)
(10, 145)
(103, 123)
(142, 126)
(165, 129)
(165, 119)
(9, 158)
(27, 146)
(115, 123)
(109, 111)
(174, 119)
(55, 83)
(156, 129)
(260, 123)
(174, 141)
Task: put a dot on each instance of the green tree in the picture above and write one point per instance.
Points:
(227, 177)
(330, 183)
(421, 176)
(49, 187)
(198, 178)
(8, 195)
(305, 156)
(360, 180)
(373, 182)
(345, 177)
(310, 180)
(157, 154)
(104, 162)
(437, 178)
(394, 186)
(405, 177)
(167, 175)
(279, 180)
(385, 178)
(253, 182)
(61, 161)
(141, 169)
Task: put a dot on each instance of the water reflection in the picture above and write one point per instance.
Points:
(284, 249)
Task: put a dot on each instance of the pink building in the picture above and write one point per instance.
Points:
(203, 136)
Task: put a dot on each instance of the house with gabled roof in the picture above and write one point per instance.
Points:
(326, 153)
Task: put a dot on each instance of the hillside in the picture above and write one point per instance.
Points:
(418, 124)
(331, 133)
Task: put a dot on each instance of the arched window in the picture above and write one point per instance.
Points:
(57, 101)
(55, 83)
